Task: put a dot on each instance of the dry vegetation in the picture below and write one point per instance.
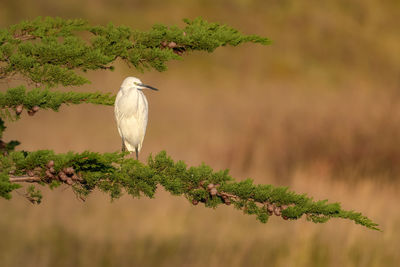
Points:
(318, 111)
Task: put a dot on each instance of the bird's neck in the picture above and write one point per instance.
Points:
(130, 90)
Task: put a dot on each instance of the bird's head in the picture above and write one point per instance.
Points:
(132, 82)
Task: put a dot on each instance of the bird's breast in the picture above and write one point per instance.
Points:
(131, 103)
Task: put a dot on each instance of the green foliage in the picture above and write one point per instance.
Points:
(114, 174)
(47, 51)
(6, 187)
(33, 195)
(52, 51)
(46, 99)
(5, 147)
(2, 127)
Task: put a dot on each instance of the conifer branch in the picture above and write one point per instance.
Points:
(49, 51)
(113, 174)
(18, 98)
(25, 179)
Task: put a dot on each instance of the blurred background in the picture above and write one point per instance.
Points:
(318, 110)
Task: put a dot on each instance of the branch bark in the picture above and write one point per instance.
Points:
(22, 179)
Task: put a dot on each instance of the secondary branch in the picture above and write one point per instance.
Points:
(22, 179)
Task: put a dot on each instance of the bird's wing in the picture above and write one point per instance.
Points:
(117, 111)
(131, 113)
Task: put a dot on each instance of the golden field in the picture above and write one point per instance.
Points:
(318, 110)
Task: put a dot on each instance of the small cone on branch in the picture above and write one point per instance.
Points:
(277, 211)
(172, 45)
(49, 174)
(69, 181)
(76, 177)
(270, 207)
(30, 173)
(18, 109)
(33, 110)
(283, 207)
(50, 164)
(213, 191)
(210, 186)
(69, 171)
(164, 43)
(52, 170)
(63, 176)
(195, 202)
(227, 201)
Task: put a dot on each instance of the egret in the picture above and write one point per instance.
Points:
(131, 113)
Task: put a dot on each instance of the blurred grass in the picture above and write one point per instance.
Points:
(168, 231)
(319, 111)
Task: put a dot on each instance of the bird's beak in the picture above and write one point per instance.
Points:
(148, 86)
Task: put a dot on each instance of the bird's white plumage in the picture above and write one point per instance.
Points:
(131, 113)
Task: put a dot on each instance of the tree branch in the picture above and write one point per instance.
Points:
(115, 174)
(57, 60)
(60, 55)
(14, 100)
(25, 178)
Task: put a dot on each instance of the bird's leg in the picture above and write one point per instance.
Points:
(123, 146)
(137, 153)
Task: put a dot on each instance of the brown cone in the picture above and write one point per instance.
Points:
(210, 186)
(76, 177)
(18, 109)
(172, 45)
(270, 207)
(49, 174)
(213, 191)
(50, 164)
(69, 171)
(63, 176)
(277, 211)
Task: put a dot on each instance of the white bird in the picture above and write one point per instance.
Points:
(131, 113)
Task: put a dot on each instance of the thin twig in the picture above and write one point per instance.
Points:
(27, 179)
(24, 37)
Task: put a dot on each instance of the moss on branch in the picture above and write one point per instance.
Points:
(115, 174)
